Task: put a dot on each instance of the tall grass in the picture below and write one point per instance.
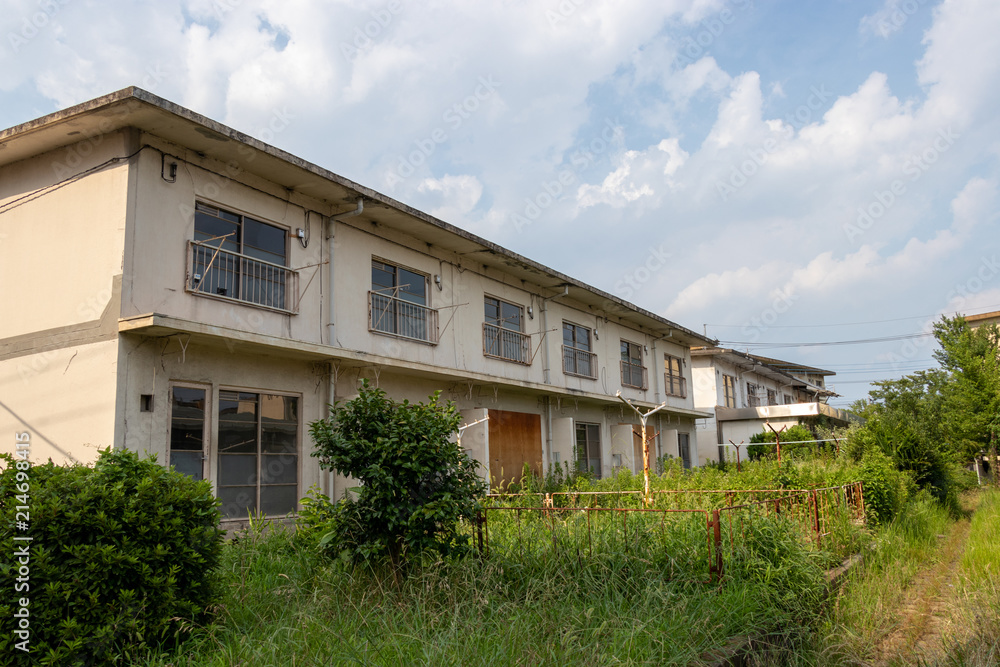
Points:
(285, 605)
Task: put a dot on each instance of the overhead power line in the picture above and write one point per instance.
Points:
(859, 341)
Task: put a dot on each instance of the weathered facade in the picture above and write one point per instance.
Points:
(178, 288)
(745, 392)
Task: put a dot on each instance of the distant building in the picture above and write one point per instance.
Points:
(176, 287)
(744, 392)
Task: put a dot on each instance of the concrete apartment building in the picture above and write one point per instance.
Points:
(176, 287)
(744, 392)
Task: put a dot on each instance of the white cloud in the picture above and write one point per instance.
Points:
(459, 195)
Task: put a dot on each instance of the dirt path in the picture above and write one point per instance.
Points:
(927, 615)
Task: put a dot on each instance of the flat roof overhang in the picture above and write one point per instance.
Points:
(154, 325)
(136, 108)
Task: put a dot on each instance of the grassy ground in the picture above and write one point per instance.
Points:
(284, 605)
(927, 594)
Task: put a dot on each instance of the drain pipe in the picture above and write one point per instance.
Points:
(545, 373)
(330, 234)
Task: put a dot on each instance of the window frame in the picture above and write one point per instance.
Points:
(204, 253)
(674, 384)
(729, 390)
(589, 427)
(258, 453)
(504, 345)
(573, 352)
(206, 427)
(629, 345)
(403, 309)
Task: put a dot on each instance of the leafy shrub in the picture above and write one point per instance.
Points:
(416, 483)
(886, 488)
(763, 443)
(121, 557)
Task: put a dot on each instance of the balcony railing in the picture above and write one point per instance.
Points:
(674, 385)
(579, 362)
(506, 344)
(396, 317)
(634, 375)
(233, 276)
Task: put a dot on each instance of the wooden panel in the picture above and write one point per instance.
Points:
(637, 451)
(515, 439)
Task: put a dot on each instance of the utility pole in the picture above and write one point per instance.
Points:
(647, 495)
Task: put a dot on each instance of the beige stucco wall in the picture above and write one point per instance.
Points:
(65, 398)
(61, 249)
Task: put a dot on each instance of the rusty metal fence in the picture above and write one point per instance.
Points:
(691, 533)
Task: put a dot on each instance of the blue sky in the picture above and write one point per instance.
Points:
(816, 171)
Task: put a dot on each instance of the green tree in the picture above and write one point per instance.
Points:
(416, 483)
(971, 358)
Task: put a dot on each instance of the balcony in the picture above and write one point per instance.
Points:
(404, 319)
(634, 375)
(223, 274)
(579, 362)
(674, 385)
(506, 344)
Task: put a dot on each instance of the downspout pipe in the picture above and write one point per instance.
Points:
(545, 373)
(331, 231)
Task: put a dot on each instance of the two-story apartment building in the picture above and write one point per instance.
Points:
(176, 287)
(744, 392)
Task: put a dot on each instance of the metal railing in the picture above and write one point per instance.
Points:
(634, 375)
(674, 385)
(506, 344)
(579, 362)
(396, 317)
(698, 531)
(224, 274)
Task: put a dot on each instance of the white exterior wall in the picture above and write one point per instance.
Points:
(60, 263)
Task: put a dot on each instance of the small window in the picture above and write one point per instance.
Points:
(398, 303)
(754, 394)
(145, 402)
(503, 335)
(684, 448)
(577, 356)
(788, 400)
(588, 449)
(633, 372)
(729, 390)
(673, 377)
(237, 257)
(187, 430)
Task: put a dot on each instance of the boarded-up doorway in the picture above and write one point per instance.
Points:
(515, 439)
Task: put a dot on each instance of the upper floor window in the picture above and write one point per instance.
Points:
(503, 331)
(729, 391)
(673, 377)
(788, 399)
(577, 356)
(397, 303)
(633, 372)
(754, 395)
(237, 257)
(772, 397)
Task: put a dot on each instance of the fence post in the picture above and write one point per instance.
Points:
(716, 537)
(815, 512)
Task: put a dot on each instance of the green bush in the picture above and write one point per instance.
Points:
(416, 484)
(885, 487)
(120, 559)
